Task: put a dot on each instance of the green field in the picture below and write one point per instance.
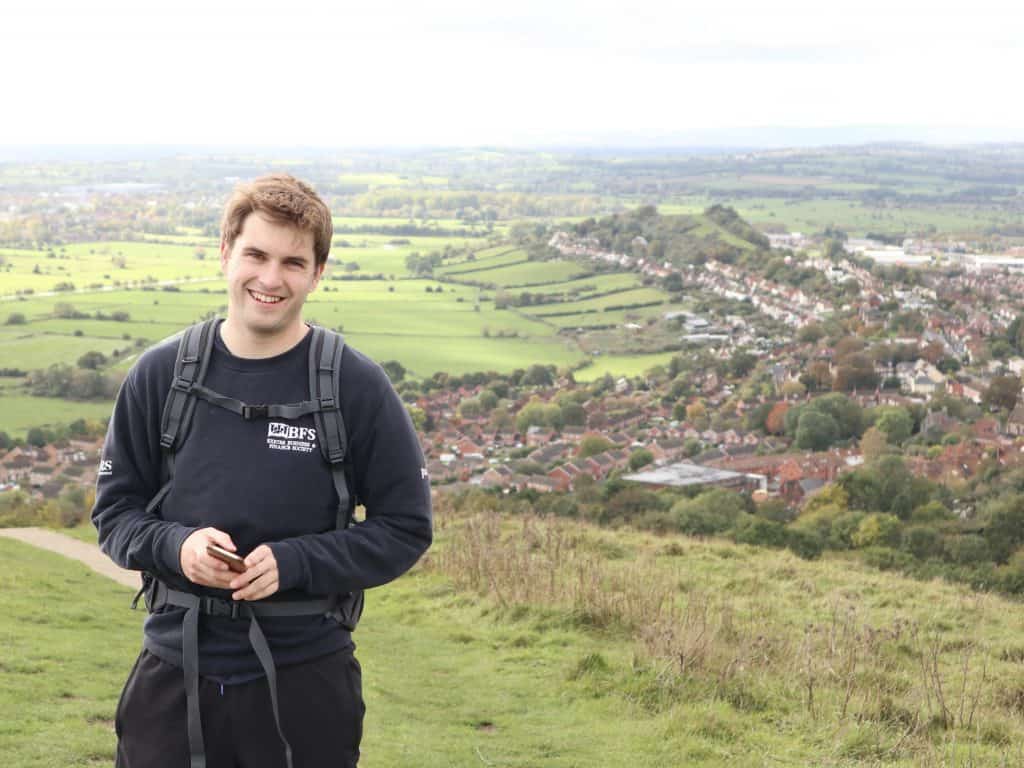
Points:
(852, 215)
(621, 365)
(426, 325)
(601, 303)
(484, 260)
(526, 274)
(20, 412)
(585, 287)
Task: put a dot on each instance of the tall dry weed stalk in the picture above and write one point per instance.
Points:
(841, 668)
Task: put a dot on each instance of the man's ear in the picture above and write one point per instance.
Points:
(225, 254)
(318, 273)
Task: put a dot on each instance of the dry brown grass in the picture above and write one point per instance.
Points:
(917, 684)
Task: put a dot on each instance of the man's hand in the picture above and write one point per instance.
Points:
(260, 578)
(202, 568)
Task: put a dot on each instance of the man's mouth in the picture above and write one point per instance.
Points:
(265, 298)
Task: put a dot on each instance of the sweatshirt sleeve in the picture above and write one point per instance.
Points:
(129, 477)
(392, 484)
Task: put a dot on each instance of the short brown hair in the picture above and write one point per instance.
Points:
(282, 199)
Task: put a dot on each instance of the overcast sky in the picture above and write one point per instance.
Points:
(454, 72)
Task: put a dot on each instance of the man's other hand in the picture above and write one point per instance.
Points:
(260, 577)
(202, 568)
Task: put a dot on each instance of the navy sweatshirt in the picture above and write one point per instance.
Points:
(262, 481)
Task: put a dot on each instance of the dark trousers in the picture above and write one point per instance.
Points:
(321, 706)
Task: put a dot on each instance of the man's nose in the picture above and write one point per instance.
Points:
(270, 275)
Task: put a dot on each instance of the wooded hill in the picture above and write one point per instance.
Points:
(719, 233)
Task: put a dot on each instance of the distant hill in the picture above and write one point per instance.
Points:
(718, 233)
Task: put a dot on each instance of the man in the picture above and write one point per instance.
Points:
(256, 668)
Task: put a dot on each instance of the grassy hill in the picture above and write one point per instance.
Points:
(528, 642)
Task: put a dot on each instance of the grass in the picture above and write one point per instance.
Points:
(621, 365)
(524, 642)
(848, 666)
(529, 273)
(448, 680)
(19, 412)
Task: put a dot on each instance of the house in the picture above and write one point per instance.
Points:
(1015, 421)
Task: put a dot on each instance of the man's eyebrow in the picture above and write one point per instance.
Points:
(260, 252)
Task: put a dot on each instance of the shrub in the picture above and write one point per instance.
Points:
(807, 544)
(968, 549)
(922, 541)
(761, 532)
(877, 530)
(887, 558)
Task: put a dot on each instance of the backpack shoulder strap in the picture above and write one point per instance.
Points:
(189, 370)
(325, 357)
(190, 366)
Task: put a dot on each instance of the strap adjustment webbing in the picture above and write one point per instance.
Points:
(160, 594)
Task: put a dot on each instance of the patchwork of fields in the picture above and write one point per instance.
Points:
(452, 323)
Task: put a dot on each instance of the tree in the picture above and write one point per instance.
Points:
(848, 415)
(810, 333)
(741, 363)
(591, 445)
(874, 444)
(92, 360)
(816, 431)
(470, 408)
(855, 372)
(1002, 392)
(640, 458)
(539, 375)
(36, 437)
(895, 422)
(573, 415)
(817, 376)
(775, 421)
(395, 370)
(794, 388)
(6, 443)
(16, 318)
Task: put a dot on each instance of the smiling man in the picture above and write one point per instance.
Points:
(256, 435)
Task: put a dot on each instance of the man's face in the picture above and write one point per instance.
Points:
(270, 270)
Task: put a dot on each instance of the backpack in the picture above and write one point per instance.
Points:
(190, 366)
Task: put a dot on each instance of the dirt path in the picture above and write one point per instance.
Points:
(89, 554)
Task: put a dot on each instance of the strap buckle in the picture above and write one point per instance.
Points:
(327, 403)
(181, 384)
(250, 412)
(215, 606)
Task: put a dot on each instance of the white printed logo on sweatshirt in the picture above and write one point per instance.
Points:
(285, 437)
(106, 468)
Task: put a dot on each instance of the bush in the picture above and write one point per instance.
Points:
(967, 549)
(775, 510)
(887, 558)
(807, 544)
(844, 526)
(760, 532)
(16, 318)
(878, 530)
(922, 541)
(1011, 575)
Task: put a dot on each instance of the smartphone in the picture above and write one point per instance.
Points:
(235, 563)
